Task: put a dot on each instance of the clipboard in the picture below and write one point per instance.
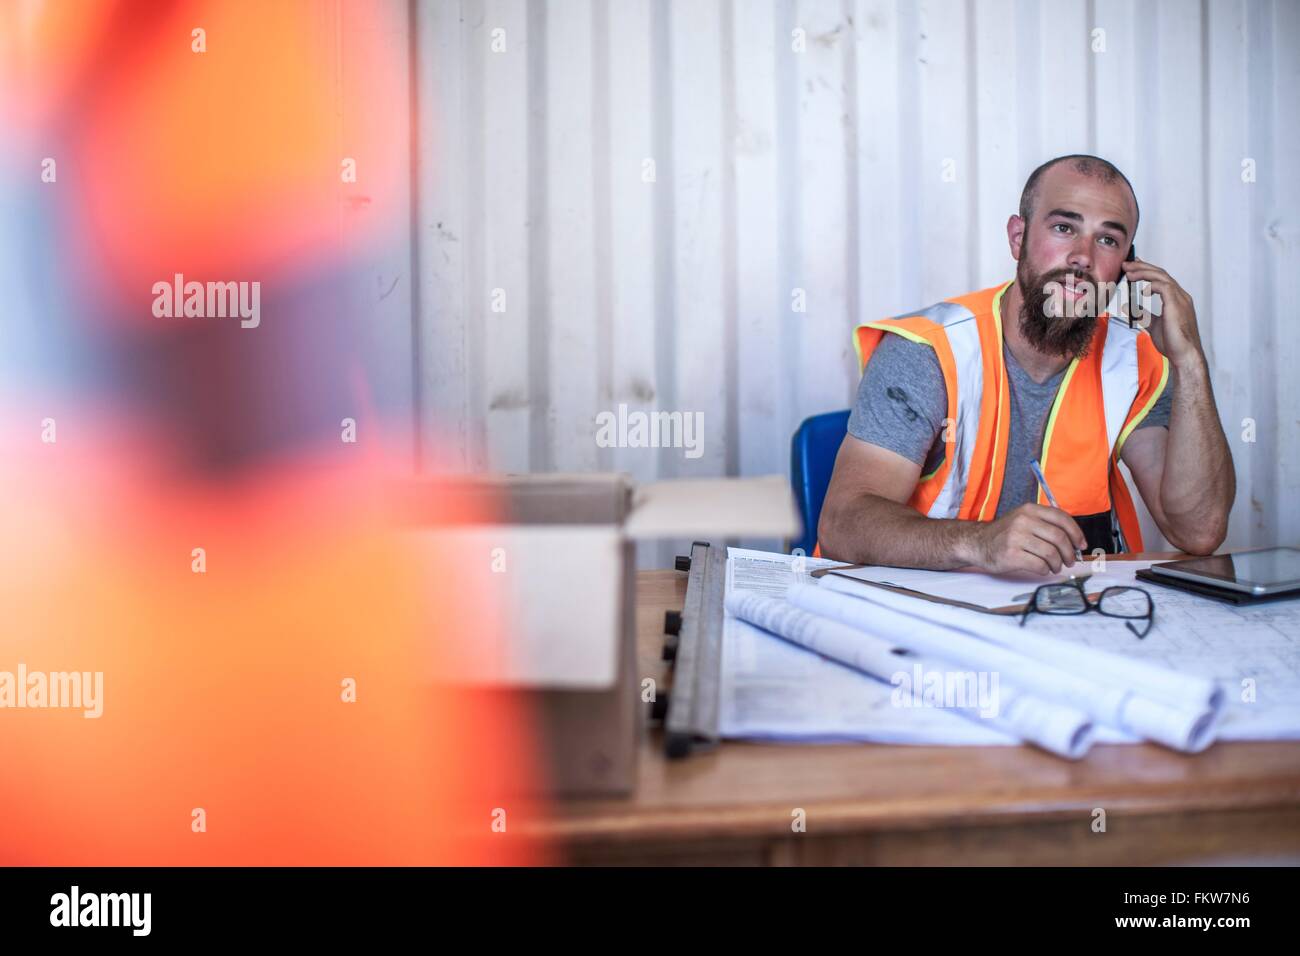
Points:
(1007, 609)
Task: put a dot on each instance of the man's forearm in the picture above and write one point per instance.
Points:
(1199, 483)
(869, 529)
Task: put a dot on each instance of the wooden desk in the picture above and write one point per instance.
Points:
(891, 805)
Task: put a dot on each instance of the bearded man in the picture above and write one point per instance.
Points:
(958, 402)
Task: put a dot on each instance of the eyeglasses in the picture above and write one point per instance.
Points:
(1068, 597)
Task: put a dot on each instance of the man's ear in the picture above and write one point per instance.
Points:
(1015, 235)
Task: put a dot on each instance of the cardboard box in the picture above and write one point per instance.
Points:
(559, 564)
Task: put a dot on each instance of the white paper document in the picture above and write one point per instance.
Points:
(776, 690)
(1131, 698)
(1252, 652)
(985, 698)
(1206, 671)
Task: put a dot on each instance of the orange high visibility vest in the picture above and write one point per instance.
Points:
(1102, 398)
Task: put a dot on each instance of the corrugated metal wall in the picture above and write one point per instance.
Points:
(622, 203)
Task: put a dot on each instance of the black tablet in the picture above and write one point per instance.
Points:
(1265, 571)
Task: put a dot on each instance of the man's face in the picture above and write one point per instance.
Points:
(1078, 234)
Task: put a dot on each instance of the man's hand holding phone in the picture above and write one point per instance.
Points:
(1174, 331)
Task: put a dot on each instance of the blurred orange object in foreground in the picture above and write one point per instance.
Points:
(224, 689)
(215, 139)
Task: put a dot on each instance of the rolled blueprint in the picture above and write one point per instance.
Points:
(1056, 727)
(1151, 703)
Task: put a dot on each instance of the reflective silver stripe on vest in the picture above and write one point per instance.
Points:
(963, 335)
(1119, 376)
(941, 313)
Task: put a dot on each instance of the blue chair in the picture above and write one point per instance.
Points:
(812, 459)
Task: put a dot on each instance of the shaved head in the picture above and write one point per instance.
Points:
(1093, 166)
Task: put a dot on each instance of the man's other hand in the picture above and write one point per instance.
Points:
(1031, 538)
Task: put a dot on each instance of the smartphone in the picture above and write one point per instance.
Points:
(1132, 255)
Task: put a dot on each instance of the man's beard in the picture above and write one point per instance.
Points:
(1047, 331)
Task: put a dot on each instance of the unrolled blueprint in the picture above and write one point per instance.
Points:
(774, 689)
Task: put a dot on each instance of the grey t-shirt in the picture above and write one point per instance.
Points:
(902, 402)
